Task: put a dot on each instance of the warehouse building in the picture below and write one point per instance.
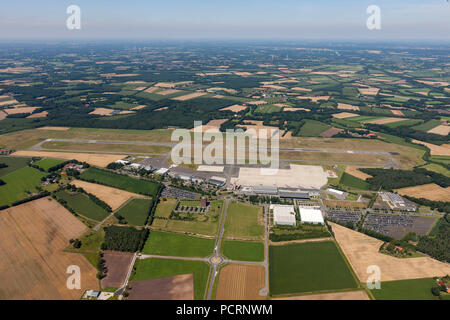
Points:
(283, 215)
(294, 194)
(311, 215)
(265, 190)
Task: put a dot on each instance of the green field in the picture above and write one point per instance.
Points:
(267, 108)
(402, 123)
(312, 128)
(119, 181)
(82, 205)
(136, 211)
(414, 289)
(437, 168)
(18, 184)
(243, 250)
(427, 125)
(244, 221)
(178, 245)
(353, 182)
(158, 268)
(48, 163)
(308, 267)
(13, 164)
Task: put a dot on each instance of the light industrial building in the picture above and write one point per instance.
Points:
(311, 215)
(283, 215)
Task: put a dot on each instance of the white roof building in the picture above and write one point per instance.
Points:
(311, 215)
(283, 214)
(162, 171)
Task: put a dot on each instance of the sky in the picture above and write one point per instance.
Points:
(229, 19)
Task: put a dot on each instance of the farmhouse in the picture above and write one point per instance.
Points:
(283, 214)
(162, 171)
(311, 215)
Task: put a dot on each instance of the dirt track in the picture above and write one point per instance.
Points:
(352, 295)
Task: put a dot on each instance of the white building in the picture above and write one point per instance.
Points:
(162, 171)
(124, 162)
(311, 215)
(283, 214)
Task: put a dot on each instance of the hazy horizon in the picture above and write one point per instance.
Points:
(324, 20)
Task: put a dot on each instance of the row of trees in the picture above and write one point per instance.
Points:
(127, 239)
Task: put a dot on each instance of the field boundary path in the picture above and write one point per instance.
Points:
(125, 284)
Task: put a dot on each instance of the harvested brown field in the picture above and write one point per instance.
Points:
(435, 150)
(126, 112)
(142, 106)
(397, 112)
(117, 264)
(349, 295)
(168, 91)
(151, 89)
(356, 173)
(257, 103)
(291, 109)
(234, 108)
(330, 132)
(430, 191)
(8, 102)
(314, 99)
(240, 282)
(362, 252)
(369, 91)
(32, 238)
(301, 89)
(442, 130)
(112, 196)
(161, 109)
(20, 110)
(190, 96)
(387, 120)
(54, 128)
(212, 126)
(169, 288)
(344, 106)
(2, 115)
(42, 114)
(100, 160)
(102, 112)
(344, 115)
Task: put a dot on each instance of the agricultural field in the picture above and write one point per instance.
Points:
(13, 164)
(136, 211)
(178, 245)
(243, 250)
(115, 198)
(414, 289)
(34, 267)
(312, 128)
(244, 221)
(362, 251)
(20, 184)
(147, 269)
(117, 264)
(47, 163)
(120, 182)
(82, 205)
(240, 282)
(179, 287)
(353, 182)
(308, 267)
